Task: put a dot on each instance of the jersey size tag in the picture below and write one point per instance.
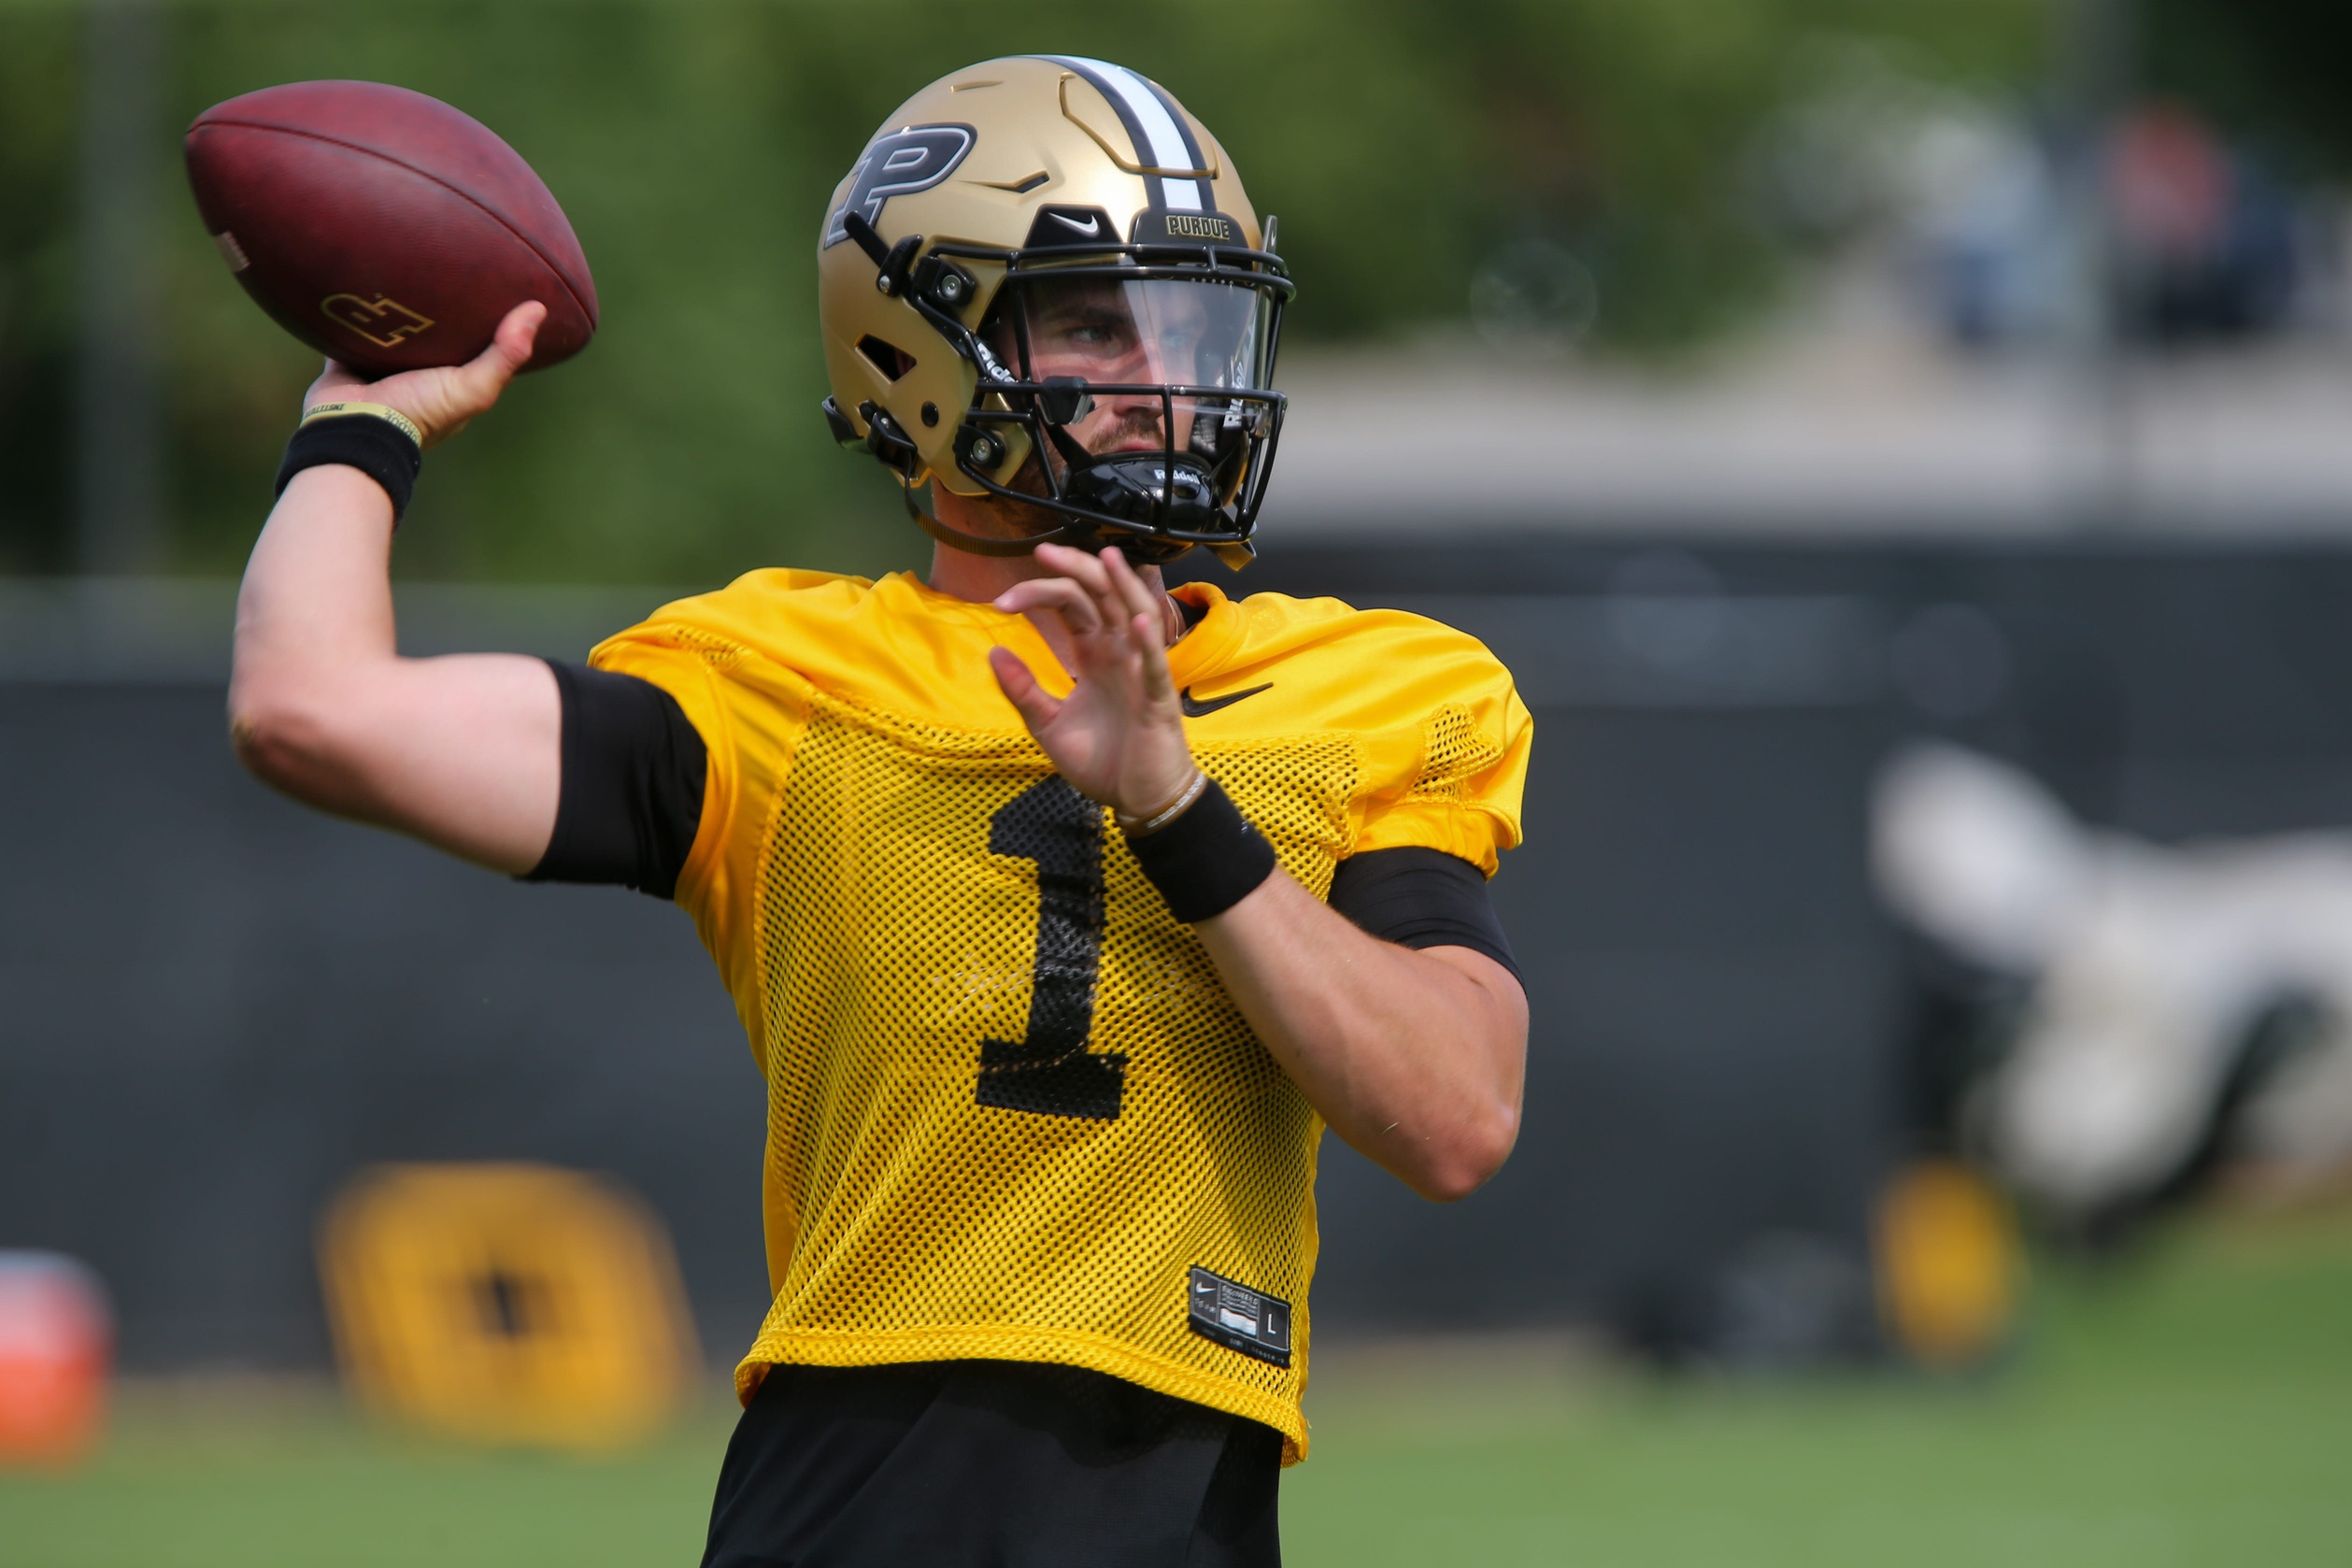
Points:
(1240, 1319)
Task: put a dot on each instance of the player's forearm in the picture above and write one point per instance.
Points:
(314, 623)
(463, 752)
(1415, 1060)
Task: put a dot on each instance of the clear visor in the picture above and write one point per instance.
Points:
(1140, 332)
(1134, 365)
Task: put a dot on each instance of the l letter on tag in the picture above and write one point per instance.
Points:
(1240, 1319)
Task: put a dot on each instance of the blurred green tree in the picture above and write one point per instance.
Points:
(695, 145)
(37, 296)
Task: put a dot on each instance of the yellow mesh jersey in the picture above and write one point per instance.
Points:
(1011, 1113)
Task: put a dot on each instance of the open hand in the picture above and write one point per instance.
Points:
(1117, 738)
(441, 400)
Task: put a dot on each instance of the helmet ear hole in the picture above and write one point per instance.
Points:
(887, 358)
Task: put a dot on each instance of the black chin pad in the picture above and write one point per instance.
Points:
(1128, 486)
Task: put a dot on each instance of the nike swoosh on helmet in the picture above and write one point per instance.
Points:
(1089, 228)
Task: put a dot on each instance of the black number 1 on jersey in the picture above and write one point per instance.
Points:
(1048, 1070)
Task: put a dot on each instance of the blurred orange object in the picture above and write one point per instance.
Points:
(1950, 1270)
(56, 1342)
(507, 1304)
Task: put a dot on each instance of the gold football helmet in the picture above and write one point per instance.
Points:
(1041, 282)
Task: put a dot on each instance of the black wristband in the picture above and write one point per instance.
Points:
(1207, 860)
(376, 447)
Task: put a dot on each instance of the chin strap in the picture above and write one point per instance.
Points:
(972, 543)
(1233, 555)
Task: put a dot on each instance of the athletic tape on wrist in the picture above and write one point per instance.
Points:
(375, 440)
(384, 411)
(1207, 860)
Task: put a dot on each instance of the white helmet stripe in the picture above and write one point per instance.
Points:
(1203, 199)
(1162, 140)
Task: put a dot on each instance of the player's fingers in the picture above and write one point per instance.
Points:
(1086, 570)
(1158, 684)
(1068, 559)
(475, 385)
(1036, 704)
(1134, 597)
(442, 401)
(1076, 616)
(509, 347)
(1097, 575)
(1135, 663)
(1053, 595)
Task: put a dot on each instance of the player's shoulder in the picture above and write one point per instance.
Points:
(759, 612)
(1364, 661)
(815, 624)
(890, 645)
(1333, 627)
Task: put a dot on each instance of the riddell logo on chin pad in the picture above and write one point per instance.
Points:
(382, 320)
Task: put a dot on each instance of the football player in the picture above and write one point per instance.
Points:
(1063, 910)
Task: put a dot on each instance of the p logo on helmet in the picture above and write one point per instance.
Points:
(899, 164)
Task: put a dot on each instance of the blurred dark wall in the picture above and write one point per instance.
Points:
(1724, 1047)
(218, 1005)
(214, 1005)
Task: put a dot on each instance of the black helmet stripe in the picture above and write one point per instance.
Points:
(1161, 137)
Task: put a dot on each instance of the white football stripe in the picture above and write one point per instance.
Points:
(1159, 128)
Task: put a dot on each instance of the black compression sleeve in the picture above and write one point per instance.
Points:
(632, 794)
(1421, 898)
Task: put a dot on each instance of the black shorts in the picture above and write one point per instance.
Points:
(990, 1464)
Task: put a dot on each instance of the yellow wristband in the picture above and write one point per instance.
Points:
(391, 416)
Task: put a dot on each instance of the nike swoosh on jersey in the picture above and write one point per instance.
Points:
(1196, 708)
(1089, 228)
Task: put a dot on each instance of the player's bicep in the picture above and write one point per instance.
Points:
(556, 772)
(461, 751)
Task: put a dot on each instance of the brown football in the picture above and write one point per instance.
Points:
(385, 228)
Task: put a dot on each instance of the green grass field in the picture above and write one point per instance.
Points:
(2194, 1410)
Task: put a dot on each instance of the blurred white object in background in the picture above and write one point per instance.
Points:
(2154, 972)
(1976, 854)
